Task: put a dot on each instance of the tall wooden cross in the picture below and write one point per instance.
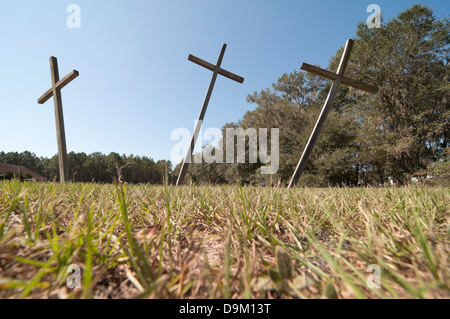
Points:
(55, 92)
(216, 70)
(338, 79)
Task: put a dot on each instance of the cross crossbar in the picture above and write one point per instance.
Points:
(344, 80)
(212, 67)
(59, 85)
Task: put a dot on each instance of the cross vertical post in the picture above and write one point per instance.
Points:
(338, 79)
(55, 92)
(216, 70)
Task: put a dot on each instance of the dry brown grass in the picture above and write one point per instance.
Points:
(222, 242)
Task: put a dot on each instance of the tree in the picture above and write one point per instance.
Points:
(77, 169)
(366, 138)
(50, 168)
(405, 126)
(96, 165)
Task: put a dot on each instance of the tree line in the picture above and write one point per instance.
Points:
(95, 167)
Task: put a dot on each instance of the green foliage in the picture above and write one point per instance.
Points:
(27, 159)
(440, 172)
(95, 167)
(9, 176)
(406, 125)
(367, 138)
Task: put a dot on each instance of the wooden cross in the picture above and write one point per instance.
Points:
(216, 70)
(338, 79)
(55, 92)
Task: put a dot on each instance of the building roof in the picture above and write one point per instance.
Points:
(420, 174)
(15, 169)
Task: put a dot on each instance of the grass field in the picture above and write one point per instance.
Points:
(222, 242)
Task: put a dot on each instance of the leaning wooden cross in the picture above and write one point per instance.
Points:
(338, 79)
(216, 70)
(55, 92)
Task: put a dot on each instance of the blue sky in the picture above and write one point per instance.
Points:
(136, 85)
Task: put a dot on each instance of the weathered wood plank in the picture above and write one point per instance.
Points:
(369, 88)
(62, 83)
(211, 67)
(59, 119)
(345, 80)
(345, 57)
(315, 133)
(318, 71)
